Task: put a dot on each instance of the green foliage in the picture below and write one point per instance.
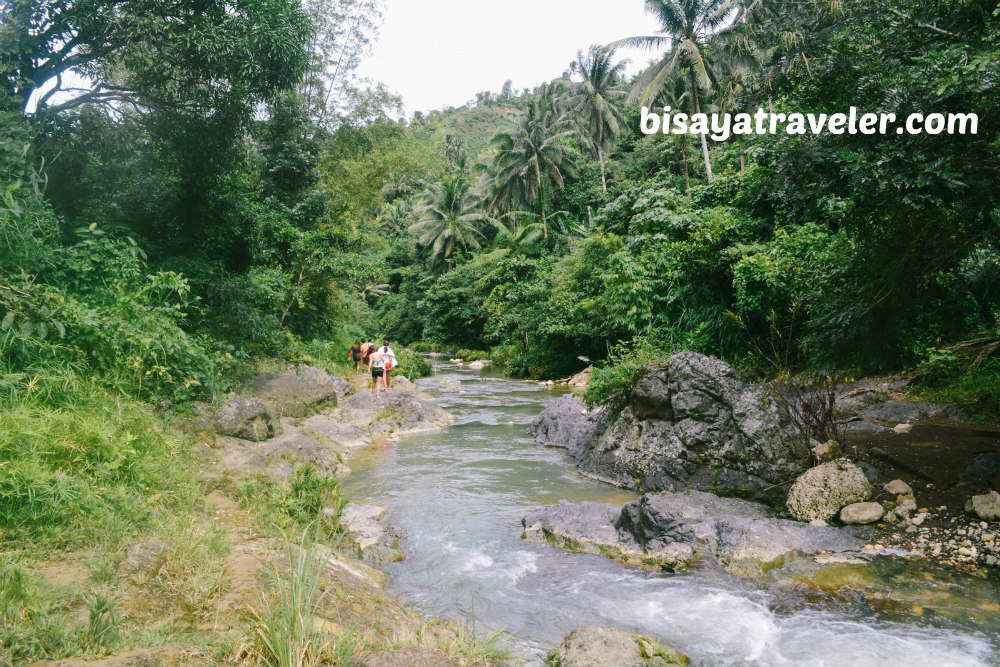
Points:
(83, 463)
(412, 365)
(472, 355)
(612, 382)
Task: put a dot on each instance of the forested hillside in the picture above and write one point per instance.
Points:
(194, 191)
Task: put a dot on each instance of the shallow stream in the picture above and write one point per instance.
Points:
(458, 497)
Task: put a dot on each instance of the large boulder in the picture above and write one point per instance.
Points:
(594, 646)
(280, 456)
(565, 422)
(673, 530)
(821, 492)
(247, 419)
(695, 424)
(300, 390)
(396, 412)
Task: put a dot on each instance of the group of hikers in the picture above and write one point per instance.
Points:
(379, 360)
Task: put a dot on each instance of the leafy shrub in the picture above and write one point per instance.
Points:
(611, 383)
(412, 365)
(303, 503)
(425, 347)
(472, 355)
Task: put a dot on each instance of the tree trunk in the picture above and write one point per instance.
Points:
(704, 141)
(684, 158)
(742, 162)
(600, 158)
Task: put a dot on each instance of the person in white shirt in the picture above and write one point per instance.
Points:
(390, 360)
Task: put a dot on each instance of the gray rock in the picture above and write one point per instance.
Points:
(898, 487)
(672, 530)
(864, 427)
(822, 491)
(871, 472)
(986, 506)
(395, 412)
(695, 424)
(369, 535)
(861, 513)
(910, 411)
(141, 557)
(595, 646)
(280, 456)
(247, 419)
(563, 424)
(300, 390)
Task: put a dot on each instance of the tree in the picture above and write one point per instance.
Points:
(531, 158)
(197, 57)
(448, 220)
(685, 26)
(342, 32)
(594, 98)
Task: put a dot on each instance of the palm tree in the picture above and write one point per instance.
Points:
(531, 158)
(448, 219)
(392, 218)
(593, 99)
(685, 26)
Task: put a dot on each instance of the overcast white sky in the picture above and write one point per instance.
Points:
(438, 53)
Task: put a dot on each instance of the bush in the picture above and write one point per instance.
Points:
(424, 347)
(412, 365)
(472, 355)
(611, 383)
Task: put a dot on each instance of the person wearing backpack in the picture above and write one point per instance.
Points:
(390, 360)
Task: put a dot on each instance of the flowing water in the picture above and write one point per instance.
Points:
(458, 497)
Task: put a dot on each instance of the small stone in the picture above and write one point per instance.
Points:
(964, 551)
(918, 519)
(819, 523)
(861, 513)
(898, 487)
(984, 525)
(828, 451)
(991, 560)
(902, 428)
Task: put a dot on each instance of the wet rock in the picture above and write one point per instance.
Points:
(369, 535)
(902, 428)
(696, 424)
(864, 427)
(822, 491)
(871, 472)
(420, 656)
(672, 530)
(910, 411)
(300, 390)
(986, 506)
(480, 364)
(595, 646)
(565, 422)
(247, 419)
(861, 513)
(898, 487)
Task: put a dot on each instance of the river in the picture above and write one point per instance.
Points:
(458, 497)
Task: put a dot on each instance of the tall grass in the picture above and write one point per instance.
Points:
(81, 463)
(284, 632)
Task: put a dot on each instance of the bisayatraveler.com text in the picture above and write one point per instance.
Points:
(719, 127)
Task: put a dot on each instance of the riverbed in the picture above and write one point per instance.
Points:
(458, 497)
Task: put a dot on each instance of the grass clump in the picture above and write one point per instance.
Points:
(412, 366)
(309, 499)
(472, 355)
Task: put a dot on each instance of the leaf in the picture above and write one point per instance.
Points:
(7, 320)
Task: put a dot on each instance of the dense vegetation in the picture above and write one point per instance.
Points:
(225, 192)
